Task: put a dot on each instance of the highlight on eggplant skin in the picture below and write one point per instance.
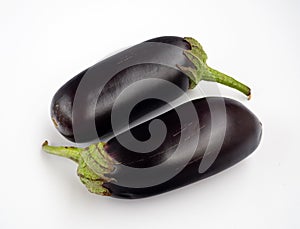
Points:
(190, 68)
(99, 165)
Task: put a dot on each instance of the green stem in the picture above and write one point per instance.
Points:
(201, 71)
(70, 152)
(94, 164)
(222, 78)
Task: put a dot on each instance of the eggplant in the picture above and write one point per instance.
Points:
(81, 109)
(220, 133)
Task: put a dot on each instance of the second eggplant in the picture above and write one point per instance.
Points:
(223, 132)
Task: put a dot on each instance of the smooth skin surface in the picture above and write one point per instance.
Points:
(101, 166)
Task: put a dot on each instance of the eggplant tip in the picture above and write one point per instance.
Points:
(249, 96)
(45, 143)
(54, 122)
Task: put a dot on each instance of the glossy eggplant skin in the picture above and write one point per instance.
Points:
(62, 102)
(242, 136)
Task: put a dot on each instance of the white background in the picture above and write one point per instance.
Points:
(44, 43)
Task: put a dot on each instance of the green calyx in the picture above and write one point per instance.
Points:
(94, 164)
(201, 71)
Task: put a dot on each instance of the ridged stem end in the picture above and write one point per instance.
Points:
(201, 71)
(94, 164)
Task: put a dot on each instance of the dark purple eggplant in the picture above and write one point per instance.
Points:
(229, 132)
(181, 61)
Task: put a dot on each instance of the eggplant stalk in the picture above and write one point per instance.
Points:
(202, 71)
(93, 164)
